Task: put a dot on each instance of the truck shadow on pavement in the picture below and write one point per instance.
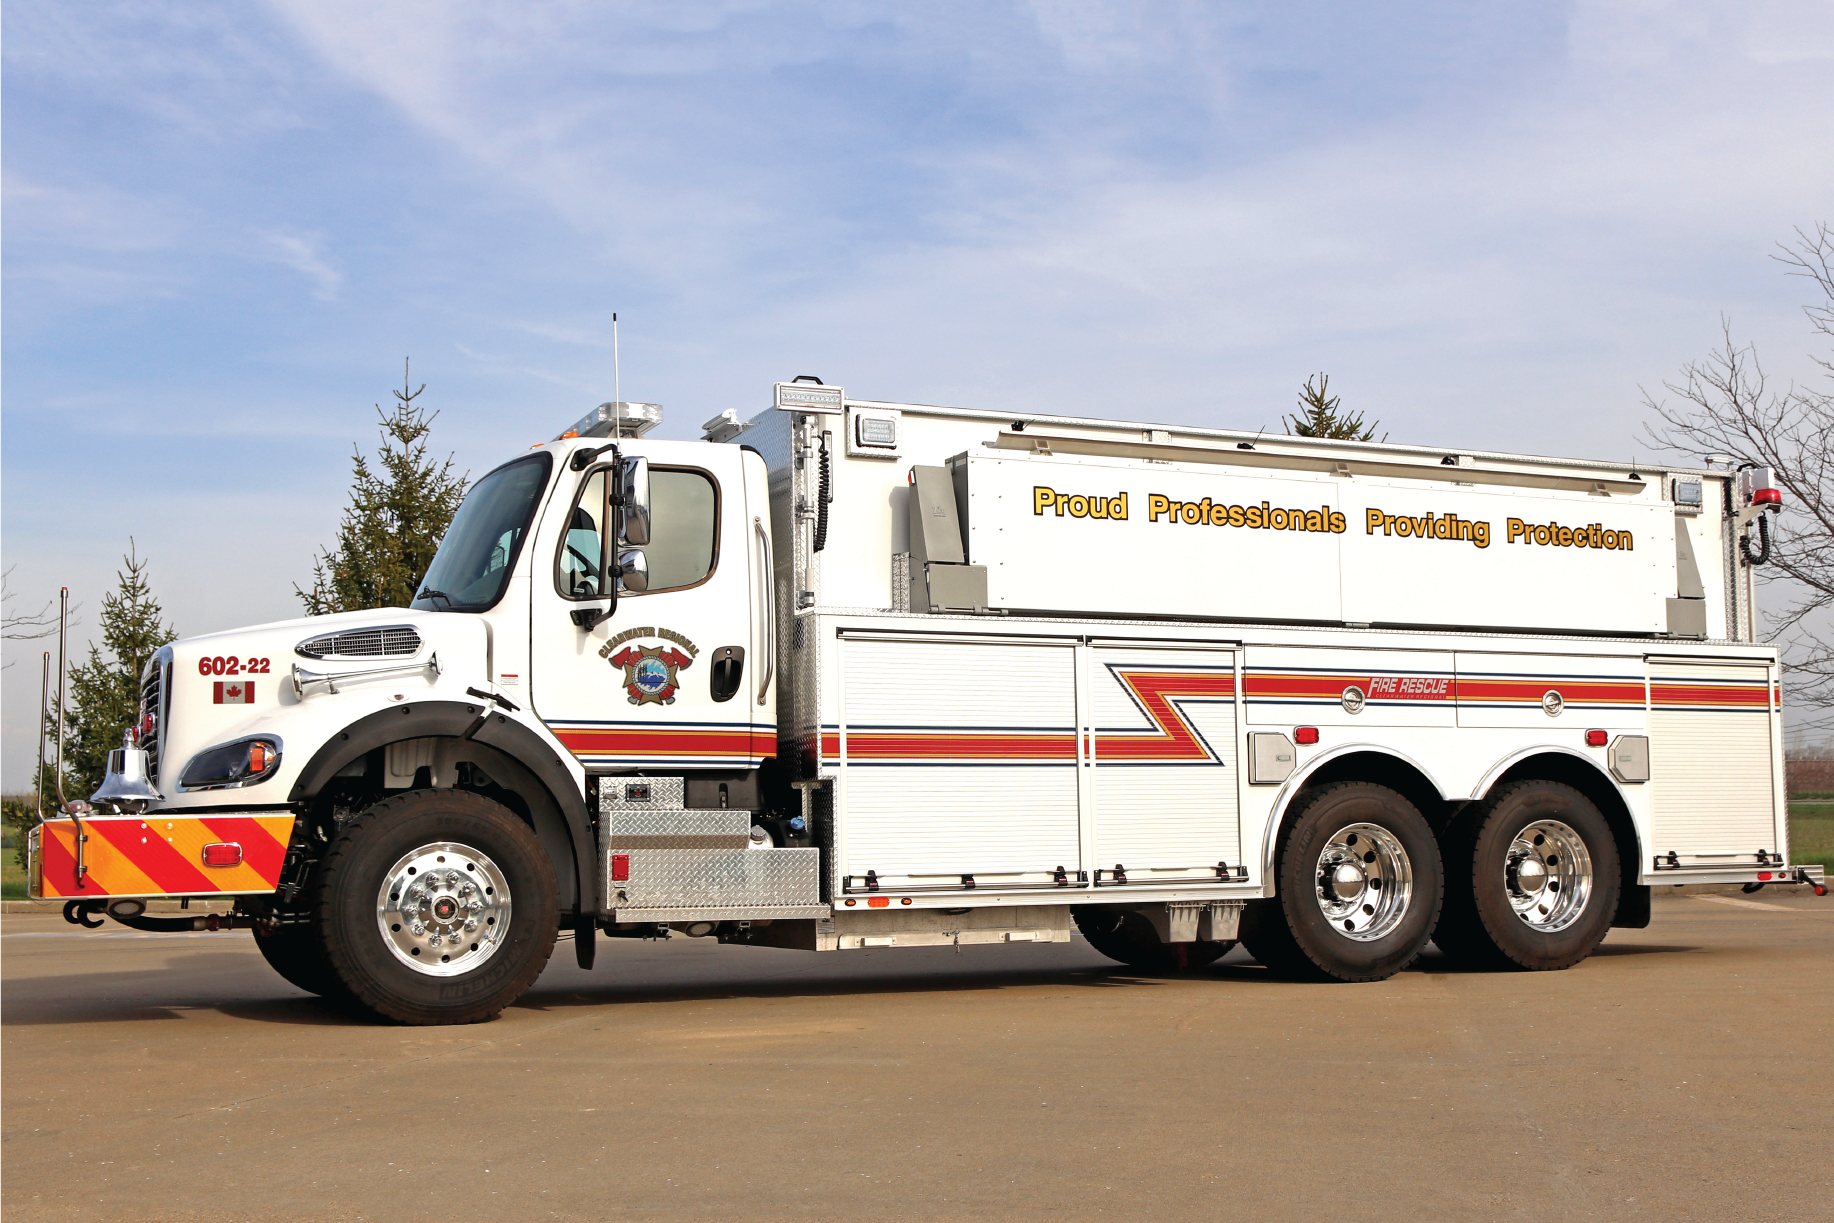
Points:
(236, 987)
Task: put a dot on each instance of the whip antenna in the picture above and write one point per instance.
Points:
(617, 385)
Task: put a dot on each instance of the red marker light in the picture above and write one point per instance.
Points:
(1764, 876)
(1596, 738)
(1305, 736)
(223, 853)
(620, 868)
(1767, 496)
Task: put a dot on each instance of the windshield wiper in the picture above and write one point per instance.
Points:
(430, 593)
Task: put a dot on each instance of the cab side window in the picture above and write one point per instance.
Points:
(582, 551)
(684, 535)
(684, 528)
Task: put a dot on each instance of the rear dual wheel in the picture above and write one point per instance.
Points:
(1533, 880)
(1358, 886)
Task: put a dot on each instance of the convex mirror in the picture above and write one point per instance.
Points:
(634, 529)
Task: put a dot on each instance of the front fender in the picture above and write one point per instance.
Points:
(457, 720)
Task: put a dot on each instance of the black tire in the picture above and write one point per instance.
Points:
(1293, 935)
(1481, 926)
(298, 954)
(1130, 939)
(473, 830)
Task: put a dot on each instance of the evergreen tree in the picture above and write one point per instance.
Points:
(104, 692)
(399, 510)
(1320, 415)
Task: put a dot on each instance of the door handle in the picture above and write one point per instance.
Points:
(768, 579)
(728, 667)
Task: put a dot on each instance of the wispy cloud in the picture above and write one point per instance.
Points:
(302, 255)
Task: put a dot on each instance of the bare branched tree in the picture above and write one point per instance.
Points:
(23, 626)
(1728, 409)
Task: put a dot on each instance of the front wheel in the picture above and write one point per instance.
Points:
(437, 907)
(1358, 886)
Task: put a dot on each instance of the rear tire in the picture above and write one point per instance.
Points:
(1358, 882)
(1533, 883)
(1131, 939)
(437, 907)
(298, 954)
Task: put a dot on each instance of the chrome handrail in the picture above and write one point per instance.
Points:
(770, 610)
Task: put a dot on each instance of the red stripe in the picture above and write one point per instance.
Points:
(59, 867)
(1157, 692)
(947, 745)
(1684, 694)
(162, 862)
(259, 848)
(1530, 691)
(655, 741)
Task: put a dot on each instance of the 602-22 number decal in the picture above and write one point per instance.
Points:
(232, 666)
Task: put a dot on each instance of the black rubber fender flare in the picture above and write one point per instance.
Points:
(459, 720)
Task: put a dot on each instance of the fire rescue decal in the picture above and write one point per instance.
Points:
(1327, 688)
(162, 855)
(650, 671)
(1159, 694)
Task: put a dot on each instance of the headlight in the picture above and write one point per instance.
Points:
(246, 762)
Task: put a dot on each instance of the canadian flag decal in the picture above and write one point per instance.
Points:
(235, 692)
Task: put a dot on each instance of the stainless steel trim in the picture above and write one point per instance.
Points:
(302, 678)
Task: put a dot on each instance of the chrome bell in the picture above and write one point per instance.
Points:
(126, 783)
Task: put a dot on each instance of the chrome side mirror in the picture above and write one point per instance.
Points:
(633, 570)
(634, 528)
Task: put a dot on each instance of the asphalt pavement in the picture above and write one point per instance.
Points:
(1680, 1073)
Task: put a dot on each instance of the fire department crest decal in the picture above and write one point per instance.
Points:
(651, 671)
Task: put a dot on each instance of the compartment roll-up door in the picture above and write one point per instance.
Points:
(1712, 763)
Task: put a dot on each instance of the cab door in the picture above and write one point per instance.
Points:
(670, 679)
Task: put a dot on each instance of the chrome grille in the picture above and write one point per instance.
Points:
(153, 715)
(392, 641)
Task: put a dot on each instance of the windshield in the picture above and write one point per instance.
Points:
(474, 560)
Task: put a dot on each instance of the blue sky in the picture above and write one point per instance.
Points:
(225, 224)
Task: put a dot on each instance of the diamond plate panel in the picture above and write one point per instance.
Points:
(710, 829)
(713, 878)
(639, 794)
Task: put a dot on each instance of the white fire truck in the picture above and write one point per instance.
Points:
(862, 674)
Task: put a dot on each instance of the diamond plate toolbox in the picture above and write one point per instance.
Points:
(681, 859)
(710, 878)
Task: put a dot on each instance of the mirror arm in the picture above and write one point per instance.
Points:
(586, 456)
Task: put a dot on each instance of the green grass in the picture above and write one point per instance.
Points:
(12, 880)
(1811, 834)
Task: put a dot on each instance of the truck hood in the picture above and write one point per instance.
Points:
(220, 688)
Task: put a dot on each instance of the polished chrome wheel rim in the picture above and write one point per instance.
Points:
(1365, 882)
(443, 909)
(1548, 876)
